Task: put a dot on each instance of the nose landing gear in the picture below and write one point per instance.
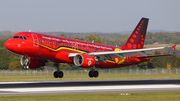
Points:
(25, 61)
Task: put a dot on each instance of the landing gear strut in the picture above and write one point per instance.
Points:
(58, 73)
(93, 73)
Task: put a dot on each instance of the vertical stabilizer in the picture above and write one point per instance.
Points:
(137, 38)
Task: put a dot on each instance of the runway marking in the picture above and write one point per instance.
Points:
(18, 82)
(83, 88)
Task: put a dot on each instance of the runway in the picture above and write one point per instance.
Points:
(88, 86)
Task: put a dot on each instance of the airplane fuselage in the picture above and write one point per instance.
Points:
(37, 49)
(57, 49)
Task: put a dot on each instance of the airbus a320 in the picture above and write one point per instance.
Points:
(37, 49)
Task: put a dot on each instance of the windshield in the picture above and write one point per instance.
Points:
(21, 37)
(15, 37)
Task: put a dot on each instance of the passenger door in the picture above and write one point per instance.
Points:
(35, 40)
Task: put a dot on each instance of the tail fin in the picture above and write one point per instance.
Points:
(137, 38)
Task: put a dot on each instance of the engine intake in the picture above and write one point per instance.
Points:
(85, 61)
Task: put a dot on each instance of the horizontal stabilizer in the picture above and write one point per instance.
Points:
(174, 47)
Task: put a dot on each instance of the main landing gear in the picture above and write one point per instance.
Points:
(58, 73)
(93, 73)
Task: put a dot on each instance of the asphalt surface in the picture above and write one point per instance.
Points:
(88, 86)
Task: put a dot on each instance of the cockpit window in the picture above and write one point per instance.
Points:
(15, 37)
(21, 37)
(25, 38)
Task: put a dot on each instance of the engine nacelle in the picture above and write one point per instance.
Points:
(85, 61)
(30, 62)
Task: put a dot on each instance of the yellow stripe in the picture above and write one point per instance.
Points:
(59, 48)
(111, 61)
(68, 49)
(62, 48)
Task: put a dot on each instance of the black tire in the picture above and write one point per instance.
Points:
(60, 74)
(91, 74)
(95, 74)
(55, 74)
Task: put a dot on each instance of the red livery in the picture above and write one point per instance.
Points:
(37, 49)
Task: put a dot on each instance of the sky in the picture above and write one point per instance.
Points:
(108, 16)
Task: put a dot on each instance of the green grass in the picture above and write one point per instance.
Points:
(86, 77)
(149, 96)
(178, 48)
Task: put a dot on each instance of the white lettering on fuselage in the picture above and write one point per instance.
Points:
(50, 38)
(76, 43)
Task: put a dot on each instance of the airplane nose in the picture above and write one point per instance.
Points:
(7, 45)
(11, 45)
(14, 46)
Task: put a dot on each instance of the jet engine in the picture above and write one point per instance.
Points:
(85, 61)
(32, 63)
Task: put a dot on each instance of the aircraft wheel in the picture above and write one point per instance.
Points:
(60, 74)
(55, 74)
(25, 67)
(95, 74)
(90, 74)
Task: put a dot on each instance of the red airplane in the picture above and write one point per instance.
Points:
(37, 49)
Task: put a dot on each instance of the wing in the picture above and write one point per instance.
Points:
(121, 54)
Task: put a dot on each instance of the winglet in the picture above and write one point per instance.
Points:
(174, 47)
